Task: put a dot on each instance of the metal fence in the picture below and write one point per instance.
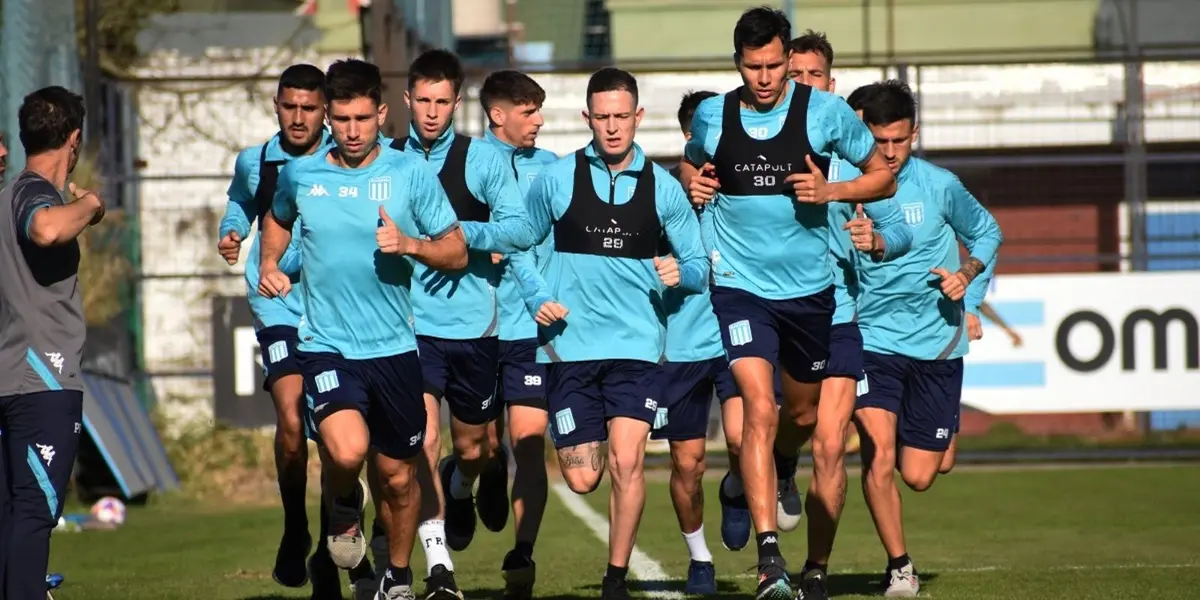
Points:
(1088, 167)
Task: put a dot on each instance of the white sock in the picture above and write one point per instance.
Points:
(433, 539)
(460, 488)
(697, 546)
(733, 486)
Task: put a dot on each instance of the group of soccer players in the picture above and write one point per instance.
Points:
(799, 263)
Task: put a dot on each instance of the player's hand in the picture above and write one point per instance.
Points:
(668, 270)
(703, 187)
(230, 247)
(974, 328)
(550, 312)
(389, 237)
(272, 282)
(862, 231)
(1015, 338)
(496, 258)
(810, 187)
(82, 195)
(954, 285)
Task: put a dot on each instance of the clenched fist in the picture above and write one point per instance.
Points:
(550, 312)
(668, 270)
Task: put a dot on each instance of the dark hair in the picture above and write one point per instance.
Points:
(352, 78)
(510, 86)
(815, 42)
(861, 95)
(48, 117)
(758, 27)
(612, 79)
(301, 77)
(435, 66)
(688, 105)
(889, 102)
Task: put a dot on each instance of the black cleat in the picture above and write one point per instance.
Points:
(326, 577)
(440, 585)
(613, 589)
(519, 573)
(290, 570)
(492, 503)
(460, 512)
(812, 586)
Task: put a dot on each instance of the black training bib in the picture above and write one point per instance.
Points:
(592, 226)
(453, 177)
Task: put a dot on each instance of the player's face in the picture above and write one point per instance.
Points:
(764, 71)
(895, 141)
(300, 114)
(432, 104)
(355, 125)
(810, 68)
(520, 123)
(613, 118)
(3, 157)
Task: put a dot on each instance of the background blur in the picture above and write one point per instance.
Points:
(1076, 122)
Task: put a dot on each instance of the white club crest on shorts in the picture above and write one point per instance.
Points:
(379, 189)
(277, 351)
(739, 333)
(326, 381)
(660, 418)
(564, 421)
(862, 387)
(914, 213)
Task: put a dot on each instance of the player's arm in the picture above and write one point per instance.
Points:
(852, 140)
(508, 229)
(698, 187)
(446, 248)
(893, 234)
(977, 291)
(277, 224)
(45, 221)
(290, 263)
(539, 204)
(683, 231)
(977, 229)
(239, 210)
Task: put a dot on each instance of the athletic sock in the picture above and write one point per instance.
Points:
(768, 545)
(432, 534)
(295, 514)
(615, 572)
(397, 576)
(899, 562)
(524, 549)
(460, 487)
(697, 547)
(812, 566)
(785, 466)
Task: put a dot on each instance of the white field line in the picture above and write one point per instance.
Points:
(641, 566)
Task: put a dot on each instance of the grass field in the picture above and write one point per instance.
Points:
(1069, 533)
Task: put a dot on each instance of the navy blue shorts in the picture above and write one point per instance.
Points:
(925, 396)
(687, 393)
(522, 381)
(464, 373)
(278, 347)
(793, 334)
(583, 396)
(845, 352)
(386, 391)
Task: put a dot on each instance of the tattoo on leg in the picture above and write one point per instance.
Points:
(582, 456)
(972, 268)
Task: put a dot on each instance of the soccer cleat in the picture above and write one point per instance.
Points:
(735, 519)
(379, 554)
(773, 583)
(812, 586)
(363, 582)
(460, 512)
(614, 589)
(519, 572)
(397, 592)
(902, 582)
(790, 506)
(290, 568)
(701, 579)
(346, 541)
(492, 503)
(440, 585)
(325, 577)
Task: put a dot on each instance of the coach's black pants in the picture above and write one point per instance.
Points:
(39, 435)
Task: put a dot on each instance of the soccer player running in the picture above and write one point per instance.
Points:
(365, 213)
(300, 109)
(42, 333)
(605, 209)
(457, 312)
(874, 232)
(512, 102)
(911, 313)
(768, 144)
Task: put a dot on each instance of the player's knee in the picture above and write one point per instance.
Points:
(582, 481)
(471, 448)
(918, 480)
(688, 467)
(829, 447)
(346, 453)
(624, 465)
(947, 465)
(399, 481)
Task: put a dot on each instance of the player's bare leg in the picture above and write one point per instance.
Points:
(400, 509)
(291, 468)
(457, 474)
(877, 430)
(827, 488)
(626, 455)
(949, 458)
(527, 435)
(795, 430)
(346, 439)
(687, 497)
(432, 520)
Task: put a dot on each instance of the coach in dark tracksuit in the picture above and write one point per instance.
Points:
(41, 336)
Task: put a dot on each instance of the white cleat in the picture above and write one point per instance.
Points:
(790, 507)
(902, 583)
